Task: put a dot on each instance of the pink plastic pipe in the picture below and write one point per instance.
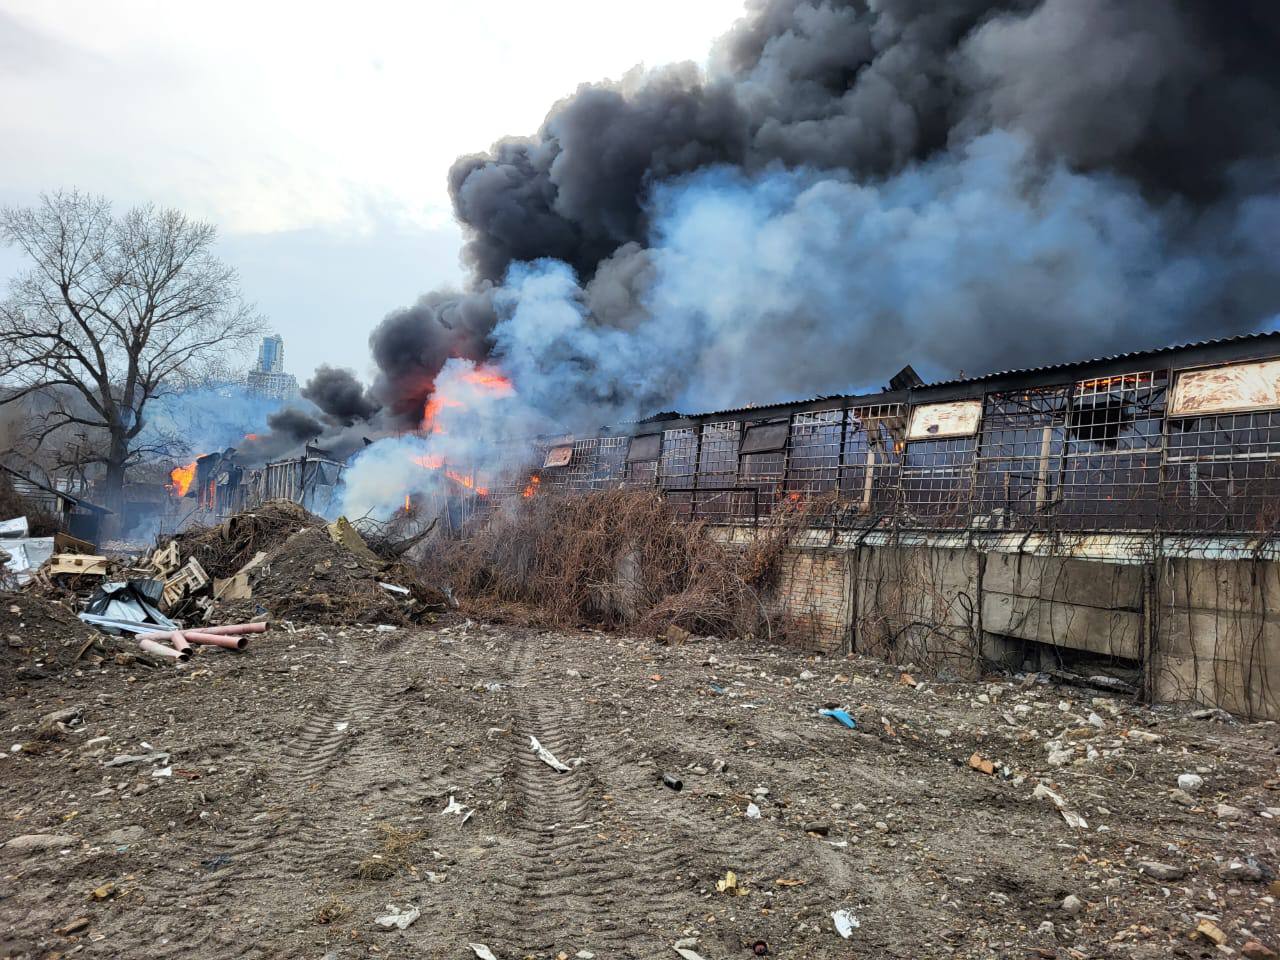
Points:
(235, 628)
(159, 649)
(217, 640)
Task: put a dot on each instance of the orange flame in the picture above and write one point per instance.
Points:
(180, 479)
(532, 487)
(489, 379)
(251, 436)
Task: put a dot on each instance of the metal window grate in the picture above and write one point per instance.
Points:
(1020, 457)
(813, 464)
(1112, 451)
(1222, 472)
(717, 468)
(871, 461)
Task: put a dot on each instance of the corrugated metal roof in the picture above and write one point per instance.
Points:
(1067, 365)
(1132, 355)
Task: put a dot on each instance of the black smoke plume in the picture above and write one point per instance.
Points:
(1166, 107)
(340, 395)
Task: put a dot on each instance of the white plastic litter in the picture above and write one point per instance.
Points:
(753, 812)
(481, 951)
(342, 726)
(546, 756)
(846, 923)
(395, 917)
(688, 954)
(1073, 819)
(461, 809)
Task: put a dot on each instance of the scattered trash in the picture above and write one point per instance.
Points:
(840, 715)
(216, 863)
(459, 808)
(397, 918)
(481, 951)
(125, 758)
(341, 726)
(685, 949)
(845, 923)
(162, 772)
(1042, 792)
(546, 756)
(1190, 782)
(729, 885)
(675, 783)
(753, 812)
(760, 948)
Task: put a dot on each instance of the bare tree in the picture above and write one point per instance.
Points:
(113, 313)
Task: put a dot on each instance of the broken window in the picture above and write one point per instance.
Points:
(1020, 457)
(871, 458)
(1112, 451)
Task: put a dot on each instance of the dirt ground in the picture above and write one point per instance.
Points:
(308, 779)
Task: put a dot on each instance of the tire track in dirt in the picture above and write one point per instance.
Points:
(569, 884)
(305, 817)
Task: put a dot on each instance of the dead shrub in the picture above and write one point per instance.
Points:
(614, 559)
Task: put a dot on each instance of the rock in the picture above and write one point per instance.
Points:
(1224, 811)
(73, 927)
(808, 675)
(882, 826)
(40, 842)
(1241, 870)
(1190, 782)
(1144, 736)
(1060, 757)
(125, 835)
(1253, 950)
(1045, 929)
(1164, 872)
(53, 726)
(1072, 905)
(1182, 798)
(1209, 931)
(821, 829)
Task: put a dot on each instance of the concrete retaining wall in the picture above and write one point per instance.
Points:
(1202, 629)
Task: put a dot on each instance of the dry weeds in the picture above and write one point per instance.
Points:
(615, 559)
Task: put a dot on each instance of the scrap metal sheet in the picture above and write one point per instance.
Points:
(1233, 388)
(960, 418)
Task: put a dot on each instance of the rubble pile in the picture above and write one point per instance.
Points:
(42, 638)
(278, 562)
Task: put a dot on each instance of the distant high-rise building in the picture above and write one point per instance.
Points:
(268, 378)
(271, 354)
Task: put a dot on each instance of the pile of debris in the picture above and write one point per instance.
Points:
(282, 562)
(209, 585)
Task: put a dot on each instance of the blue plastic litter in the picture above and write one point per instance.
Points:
(716, 688)
(842, 716)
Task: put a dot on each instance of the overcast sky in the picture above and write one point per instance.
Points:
(315, 135)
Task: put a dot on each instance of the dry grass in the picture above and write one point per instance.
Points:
(393, 855)
(614, 559)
